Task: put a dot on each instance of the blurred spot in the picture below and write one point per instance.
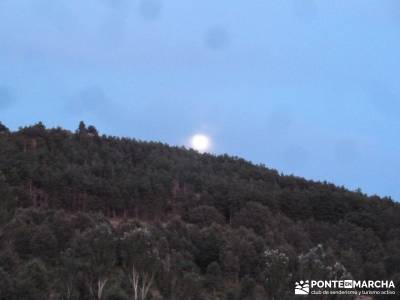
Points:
(150, 9)
(393, 9)
(346, 151)
(279, 122)
(384, 99)
(217, 38)
(117, 4)
(36, 59)
(113, 29)
(55, 13)
(6, 97)
(295, 156)
(305, 10)
(89, 100)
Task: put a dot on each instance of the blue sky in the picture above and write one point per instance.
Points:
(304, 86)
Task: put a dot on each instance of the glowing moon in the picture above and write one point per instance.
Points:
(200, 142)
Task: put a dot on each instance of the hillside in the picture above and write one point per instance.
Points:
(85, 216)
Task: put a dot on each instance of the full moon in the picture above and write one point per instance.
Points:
(200, 142)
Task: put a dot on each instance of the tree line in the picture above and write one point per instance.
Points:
(89, 216)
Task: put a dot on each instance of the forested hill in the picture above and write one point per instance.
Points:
(79, 210)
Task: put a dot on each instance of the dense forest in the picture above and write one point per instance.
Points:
(85, 216)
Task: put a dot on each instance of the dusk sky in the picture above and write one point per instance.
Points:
(307, 87)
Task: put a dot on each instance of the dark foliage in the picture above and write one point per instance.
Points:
(81, 214)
